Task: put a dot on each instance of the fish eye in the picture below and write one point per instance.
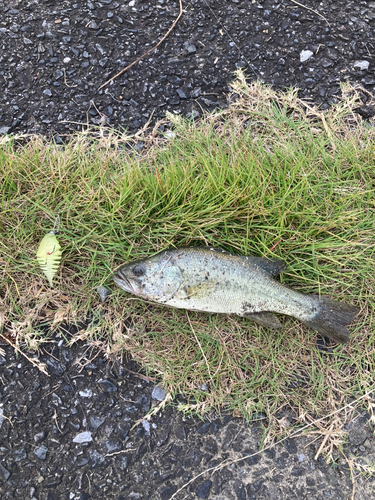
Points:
(138, 271)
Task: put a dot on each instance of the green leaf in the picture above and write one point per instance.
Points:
(49, 255)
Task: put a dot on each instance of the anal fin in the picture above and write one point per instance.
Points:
(264, 318)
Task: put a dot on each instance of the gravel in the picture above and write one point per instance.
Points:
(57, 443)
(55, 56)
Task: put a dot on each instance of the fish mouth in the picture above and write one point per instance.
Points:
(122, 281)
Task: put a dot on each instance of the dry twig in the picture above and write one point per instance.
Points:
(146, 53)
(39, 365)
(312, 10)
(200, 347)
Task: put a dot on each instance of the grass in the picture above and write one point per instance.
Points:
(268, 177)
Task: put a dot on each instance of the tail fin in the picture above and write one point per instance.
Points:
(332, 318)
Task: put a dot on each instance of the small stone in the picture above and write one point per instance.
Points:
(193, 116)
(144, 402)
(4, 474)
(131, 3)
(362, 65)
(96, 458)
(87, 393)
(122, 462)
(103, 292)
(301, 457)
(204, 387)
(181, 94)
(326, 62)
(170, 135)
(18, 454)
(93, 26)
(367, 111)
(113, 445)
(131, 409)
(134, 495)
(4, 130)
(83, 437)
(107, 386)
(41, 452)
(159, 393)
(47, 92)
(357, 436)
(203, 489)
(305, 55)
(203, 429)
(146, 426)
(41, 436)
(99, 48)
(66, 60)
(196, 92)
(56, 368)
(175, 101)
(56, 400)
(162, 438)
(190, 48)
(96, 422)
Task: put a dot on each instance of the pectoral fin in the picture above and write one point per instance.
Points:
(264, 318)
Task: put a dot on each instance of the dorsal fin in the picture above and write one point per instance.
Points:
(272, 266)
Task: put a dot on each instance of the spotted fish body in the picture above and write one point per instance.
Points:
(215, 281)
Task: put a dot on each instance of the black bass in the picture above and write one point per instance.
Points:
(215, 281)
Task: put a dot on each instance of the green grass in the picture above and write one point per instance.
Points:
(266, 177)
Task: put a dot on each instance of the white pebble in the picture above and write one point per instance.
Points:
(305, 55)
(83, 437)
(87, 393)
(361, 65)
(66, 60)
(170, 135)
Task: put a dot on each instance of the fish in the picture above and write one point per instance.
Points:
(212, 280)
